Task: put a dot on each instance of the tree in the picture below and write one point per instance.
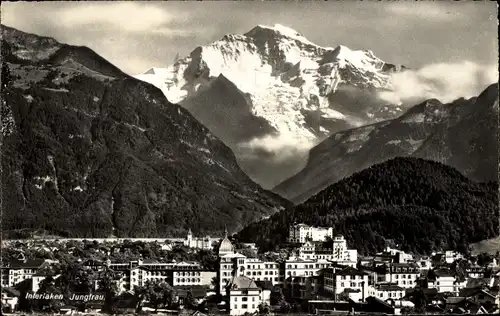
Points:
(76, 278)
(48, 286)
(264, 309)
(107, 284)
(156, 293)
(483, 259)
(285, 307)
(141, 293)
(190, 301)
(460, 267)
(277, 296)
(420, 299)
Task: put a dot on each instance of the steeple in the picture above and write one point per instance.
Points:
(225, 231)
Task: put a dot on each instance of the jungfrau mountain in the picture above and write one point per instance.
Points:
(462, 134)
(88, 151)
(271, 94)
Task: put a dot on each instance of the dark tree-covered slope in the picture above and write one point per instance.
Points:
(462, 134)
(89, 151)
(422, 205)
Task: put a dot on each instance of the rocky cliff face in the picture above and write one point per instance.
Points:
(296, 94)
(90, 151)
(462, 134)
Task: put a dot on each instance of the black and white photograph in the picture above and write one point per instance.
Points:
(239, 158)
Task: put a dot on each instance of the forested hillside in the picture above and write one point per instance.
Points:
(88, 151)
(420, 204)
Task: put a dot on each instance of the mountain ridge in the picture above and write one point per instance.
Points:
(87, 154)
(411, 134)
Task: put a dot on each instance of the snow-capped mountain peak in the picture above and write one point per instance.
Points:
(278, 30)
(291, 82)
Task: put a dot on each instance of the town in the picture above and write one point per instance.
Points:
(314, 273)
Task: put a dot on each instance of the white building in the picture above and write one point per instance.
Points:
(443, 281)
(245, 296)
(401, 274)
(15, 272)
(398, 255)
(338, 252)
(229, 260)
(389, 291)
(258, 270)
(297, 267)
(450, 256)
(300, 233)
(424, 264)
(175, 273)
(206, 242)
(350, 281)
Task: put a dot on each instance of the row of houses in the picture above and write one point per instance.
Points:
(325, 273)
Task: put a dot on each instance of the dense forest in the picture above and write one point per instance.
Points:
(419, 204)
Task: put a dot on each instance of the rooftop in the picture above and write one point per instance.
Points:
(242, 282)
(351, 271)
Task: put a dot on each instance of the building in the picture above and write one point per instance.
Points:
(229, 260)
(297, 267)
(401, 274)
(17, 271)
(174, 273)
(349, 281)
(389, 291)
(245, 296)
(450, 256)
(300, 233)
(424, 264)
(443, 281)
(338, 252)
(475, 271)
(206, 242)
(259, 270)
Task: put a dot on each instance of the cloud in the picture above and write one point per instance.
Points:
(278, 148)
(127, 16)
(424, 11)
(445, 82)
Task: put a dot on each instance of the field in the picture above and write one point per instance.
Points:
(490, 246)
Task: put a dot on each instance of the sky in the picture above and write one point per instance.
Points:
(136, 36)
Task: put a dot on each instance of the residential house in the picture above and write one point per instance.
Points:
(424, 264)
(475, 271)
(451, 256)
(402, 274)
(17, 271)
(444, 281)
(245, 296)
(346, 280)
(389, 291)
